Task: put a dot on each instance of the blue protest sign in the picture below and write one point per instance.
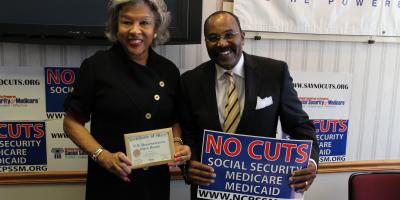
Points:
(59, 82)
(252, 167)
(332, 138)
(22, 146)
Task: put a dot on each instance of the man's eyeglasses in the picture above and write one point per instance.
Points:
(216, 37)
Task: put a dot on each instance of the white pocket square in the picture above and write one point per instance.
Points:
(262, 103)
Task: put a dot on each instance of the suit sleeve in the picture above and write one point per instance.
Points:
(294, 119)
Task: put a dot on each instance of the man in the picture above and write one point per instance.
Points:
(247, 100)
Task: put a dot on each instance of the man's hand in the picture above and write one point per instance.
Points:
(200, 174)
(302, 179)
(116, 163)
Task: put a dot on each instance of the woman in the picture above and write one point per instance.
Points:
(128, 88)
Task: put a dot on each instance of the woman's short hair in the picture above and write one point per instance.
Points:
(159, 9)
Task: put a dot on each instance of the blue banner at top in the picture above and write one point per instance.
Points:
(252, 166)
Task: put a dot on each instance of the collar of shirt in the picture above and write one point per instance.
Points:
(238, 70)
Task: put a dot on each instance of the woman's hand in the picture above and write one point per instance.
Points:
(116, 163)
(182, 154)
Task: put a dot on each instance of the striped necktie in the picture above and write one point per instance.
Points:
(232, 111)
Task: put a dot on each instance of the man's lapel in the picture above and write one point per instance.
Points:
(208, 86)
(252, 84)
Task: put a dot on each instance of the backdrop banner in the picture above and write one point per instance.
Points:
(326, 98)
(32, 138)
(338, 17)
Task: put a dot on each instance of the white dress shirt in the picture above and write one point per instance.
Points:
(221, 87)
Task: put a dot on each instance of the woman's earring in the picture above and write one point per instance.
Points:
(155, 35)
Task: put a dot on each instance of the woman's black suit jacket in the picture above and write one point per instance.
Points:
(118, 96)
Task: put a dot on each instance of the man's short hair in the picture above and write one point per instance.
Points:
(221, 12)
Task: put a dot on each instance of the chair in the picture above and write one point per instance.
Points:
(383, 185)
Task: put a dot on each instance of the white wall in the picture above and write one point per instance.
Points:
(326, 187)
(73, 191)
(375, 105)
(70, 191)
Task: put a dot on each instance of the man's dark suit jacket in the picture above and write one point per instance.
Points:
(264, 77)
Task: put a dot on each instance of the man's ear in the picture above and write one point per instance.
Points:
(242, 34)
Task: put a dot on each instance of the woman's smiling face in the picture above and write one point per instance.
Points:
(136, 29)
